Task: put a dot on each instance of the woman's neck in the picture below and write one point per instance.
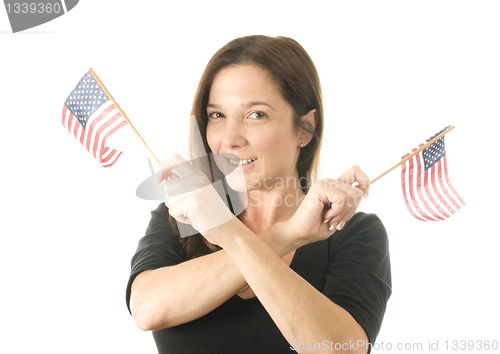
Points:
(271, 205)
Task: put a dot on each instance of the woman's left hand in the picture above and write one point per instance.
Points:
(314, 220)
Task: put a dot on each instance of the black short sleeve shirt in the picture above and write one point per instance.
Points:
(351, 268)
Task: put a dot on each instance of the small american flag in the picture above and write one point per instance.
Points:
(427, 190)
(91, 117)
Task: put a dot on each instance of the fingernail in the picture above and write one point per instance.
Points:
(340, 226)
(331, 228)
(326, 221)
(365, 196)
(169, 177)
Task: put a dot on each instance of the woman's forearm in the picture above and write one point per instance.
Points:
(174, 295)
(302, 313)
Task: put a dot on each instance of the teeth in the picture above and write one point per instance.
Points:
(241, 162)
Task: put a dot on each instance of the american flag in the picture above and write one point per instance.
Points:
(427, 190)
(91, 117)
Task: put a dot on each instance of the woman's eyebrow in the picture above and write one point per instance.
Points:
(213, 105)
(245, 105)
(257, 103)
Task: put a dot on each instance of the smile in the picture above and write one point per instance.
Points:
(244, 163)
(241, 162)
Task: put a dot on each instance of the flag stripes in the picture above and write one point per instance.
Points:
(101, 125)
(91, 117)
(428, 193)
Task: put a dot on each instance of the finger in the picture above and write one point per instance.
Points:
(178, 186)
(164, 167)
(356, 175)
(337, 200)
(337, 215)
(176, 167)
(353, 193)
(354, 197)
(330, 183)
(177, 214)
(340, 220)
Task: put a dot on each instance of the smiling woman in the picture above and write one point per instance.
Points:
(254, 123)
(298, 265)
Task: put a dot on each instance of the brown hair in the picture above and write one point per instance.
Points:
(295, 75)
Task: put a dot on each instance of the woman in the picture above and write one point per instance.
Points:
(297, 269)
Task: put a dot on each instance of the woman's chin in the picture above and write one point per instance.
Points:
(236, 181)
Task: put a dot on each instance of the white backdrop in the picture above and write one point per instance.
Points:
(393, 74)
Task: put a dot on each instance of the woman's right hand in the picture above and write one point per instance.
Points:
(191, 198)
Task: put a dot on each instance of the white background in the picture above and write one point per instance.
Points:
(393, 73)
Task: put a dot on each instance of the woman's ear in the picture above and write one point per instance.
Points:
(309, 120)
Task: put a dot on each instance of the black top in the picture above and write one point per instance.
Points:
(352, 268)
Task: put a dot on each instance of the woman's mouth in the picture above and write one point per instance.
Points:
(240, 163)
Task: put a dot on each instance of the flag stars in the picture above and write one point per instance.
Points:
(433, 153)
(85, 99)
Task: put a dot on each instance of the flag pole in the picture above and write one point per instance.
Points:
(413, 153)
(123, 114)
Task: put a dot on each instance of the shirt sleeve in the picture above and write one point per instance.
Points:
(358, 278)
(160, 247)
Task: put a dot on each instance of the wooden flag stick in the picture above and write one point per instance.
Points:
(425, 146)
(123, 114)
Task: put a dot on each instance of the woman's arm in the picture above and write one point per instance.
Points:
(174, 295)
(301, 312)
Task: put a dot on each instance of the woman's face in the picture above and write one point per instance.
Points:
(248, 120)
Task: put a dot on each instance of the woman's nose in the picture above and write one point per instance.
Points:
(234, 134)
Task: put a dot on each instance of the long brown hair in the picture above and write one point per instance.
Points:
(295, 75)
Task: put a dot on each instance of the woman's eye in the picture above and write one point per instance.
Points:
(215, 115)
(258, 115)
